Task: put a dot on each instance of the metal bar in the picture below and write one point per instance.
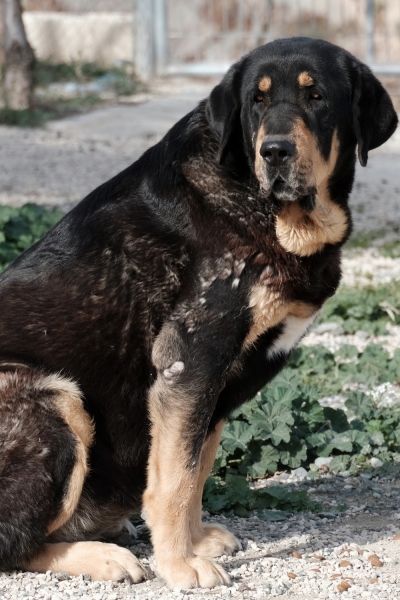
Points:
(240, 24)
(220, 68)
(134, 33)
(224, 29)
(197, 47)
(144, 37)
(370, 28)
(201, 68)
(160, 35)
(387, 33)
(385, 69)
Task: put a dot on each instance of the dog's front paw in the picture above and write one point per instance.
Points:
(215, 540)
(182, 574)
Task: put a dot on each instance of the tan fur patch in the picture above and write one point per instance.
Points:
(307, 147)
(259, 164)
(305, 79)
(208, 539)
(104, 562)
(269, 309)
(70, 406)
(171, 481)
(301, 233)
(207, 459)
(265, 84)
(305, 235)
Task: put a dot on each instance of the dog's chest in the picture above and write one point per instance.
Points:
(270, 305)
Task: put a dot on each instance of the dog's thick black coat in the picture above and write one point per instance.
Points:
(160, 293)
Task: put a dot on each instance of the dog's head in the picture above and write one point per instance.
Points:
(299, 106)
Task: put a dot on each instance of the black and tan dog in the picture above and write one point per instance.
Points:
(165, 299)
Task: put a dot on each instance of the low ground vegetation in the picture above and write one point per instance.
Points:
(65, 89)
(285, 426)
(22, 227)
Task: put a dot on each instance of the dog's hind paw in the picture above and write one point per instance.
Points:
(215, 541)
(103, 562)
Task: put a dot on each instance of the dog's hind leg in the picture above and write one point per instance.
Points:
(209, 539)
(44, 439)
(45, 435)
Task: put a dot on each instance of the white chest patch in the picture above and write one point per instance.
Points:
(293, 330)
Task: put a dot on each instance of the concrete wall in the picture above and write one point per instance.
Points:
(79, 6)
(93, 37)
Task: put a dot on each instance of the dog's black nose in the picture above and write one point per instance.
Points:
(277, 152)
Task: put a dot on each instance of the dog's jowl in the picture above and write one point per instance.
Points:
(164, 300)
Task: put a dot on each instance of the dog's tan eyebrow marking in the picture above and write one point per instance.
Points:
(305, 79)
(264, 84)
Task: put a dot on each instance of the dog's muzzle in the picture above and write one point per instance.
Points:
(277, 153)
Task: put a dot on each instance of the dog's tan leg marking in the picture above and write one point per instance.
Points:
(305, 234)
(103, 562)
(172, 484)
(70, 407)
(209, 539)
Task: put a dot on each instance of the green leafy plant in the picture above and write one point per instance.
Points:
(285, 427)
(391, 248)
(47, 72)
(22, 227)
(47, 110)
(379, 239)
(233, 496)
(364, 239)
(331, 372)
(367, 308)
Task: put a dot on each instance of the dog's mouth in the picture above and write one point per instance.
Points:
(279, 185)
(282, 192)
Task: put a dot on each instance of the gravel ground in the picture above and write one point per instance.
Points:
(305, 557)
(355, 553)
(369, 267)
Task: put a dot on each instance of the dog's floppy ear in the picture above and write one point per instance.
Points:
(224, 108)
(374, 117)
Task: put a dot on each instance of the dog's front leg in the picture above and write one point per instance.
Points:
(191, 369)
(209, 539)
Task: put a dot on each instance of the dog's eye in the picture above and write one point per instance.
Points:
(315, 96)
(258, 98)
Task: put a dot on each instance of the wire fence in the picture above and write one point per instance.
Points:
(208, 35)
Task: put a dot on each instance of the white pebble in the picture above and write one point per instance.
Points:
(322, 461)
(375, 462)
(299, 473)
